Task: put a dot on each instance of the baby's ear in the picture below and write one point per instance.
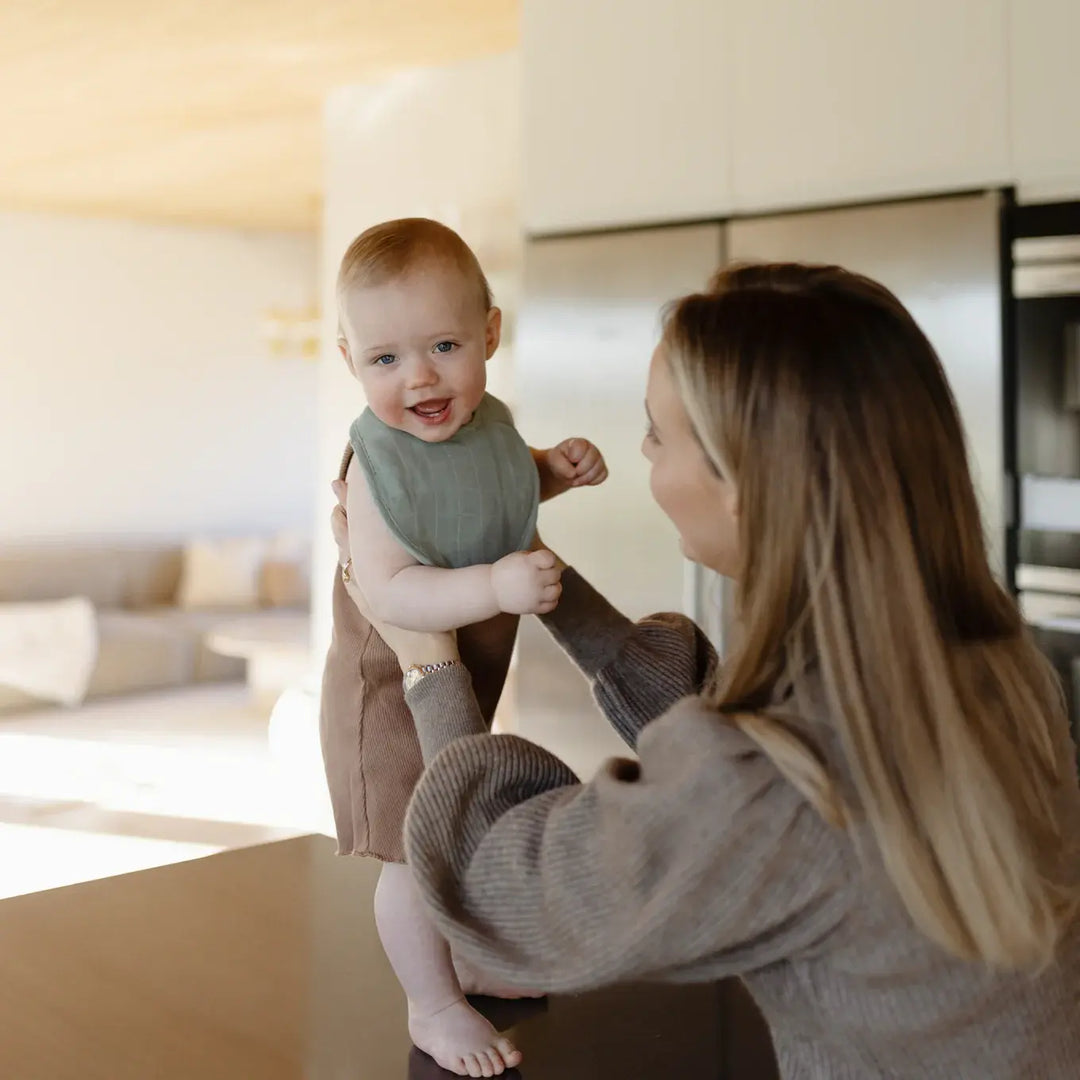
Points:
(343, 348)
(494, 331)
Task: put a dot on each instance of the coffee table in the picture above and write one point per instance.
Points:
(277, 648)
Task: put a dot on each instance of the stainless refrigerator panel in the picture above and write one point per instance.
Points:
(941, 258)
(588, 323)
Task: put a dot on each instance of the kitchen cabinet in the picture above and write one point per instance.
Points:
(849, 100)
(1045, 98)
(624, 105)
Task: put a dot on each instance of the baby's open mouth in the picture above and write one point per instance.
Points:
(432, 412)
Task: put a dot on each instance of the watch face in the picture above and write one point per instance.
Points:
(412, 677)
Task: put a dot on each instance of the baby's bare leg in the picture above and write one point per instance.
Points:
(474, 981)
(441, 1021)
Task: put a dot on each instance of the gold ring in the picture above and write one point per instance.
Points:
(346, 572)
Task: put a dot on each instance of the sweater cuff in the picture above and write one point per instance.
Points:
(444, 708)
(588, 629)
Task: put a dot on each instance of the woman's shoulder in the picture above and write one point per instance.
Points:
(730, 777)
(707, 748)
(694, 721)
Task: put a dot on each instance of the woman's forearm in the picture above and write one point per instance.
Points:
(588, 628)
(637, 670)
(444, 708)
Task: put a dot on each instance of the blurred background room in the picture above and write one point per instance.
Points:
(178, 183)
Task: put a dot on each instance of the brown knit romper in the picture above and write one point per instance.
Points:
(370, 749)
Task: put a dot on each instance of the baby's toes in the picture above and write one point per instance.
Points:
(509, 1053)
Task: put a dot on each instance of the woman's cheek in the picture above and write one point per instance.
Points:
(659, 484)
(653, 483)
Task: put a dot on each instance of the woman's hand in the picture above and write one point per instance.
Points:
(410, 646)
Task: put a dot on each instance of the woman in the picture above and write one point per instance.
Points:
(870, 810)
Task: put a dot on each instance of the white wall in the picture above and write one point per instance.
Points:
(441, 143)
(136, 396)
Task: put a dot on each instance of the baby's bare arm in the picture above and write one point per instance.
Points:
(401, 590)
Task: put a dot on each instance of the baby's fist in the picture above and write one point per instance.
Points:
(527, 583)
(578, 462)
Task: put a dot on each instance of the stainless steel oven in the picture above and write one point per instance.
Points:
(1045, 450)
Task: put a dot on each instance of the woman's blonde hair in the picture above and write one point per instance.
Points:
(863, 561)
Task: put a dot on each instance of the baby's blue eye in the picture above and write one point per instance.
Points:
(444, 347)
(385, 360)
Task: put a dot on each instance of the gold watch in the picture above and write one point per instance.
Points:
(414, 674)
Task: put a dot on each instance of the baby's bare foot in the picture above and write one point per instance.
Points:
(461, 1040)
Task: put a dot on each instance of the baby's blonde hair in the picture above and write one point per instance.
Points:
(863, 562)
(394, 248)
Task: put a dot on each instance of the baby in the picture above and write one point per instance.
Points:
(442, 497)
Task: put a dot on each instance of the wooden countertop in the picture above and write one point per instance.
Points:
(263, 964)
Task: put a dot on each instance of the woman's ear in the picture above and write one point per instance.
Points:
(493, 334)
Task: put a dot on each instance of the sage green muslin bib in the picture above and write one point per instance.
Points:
(463, 502)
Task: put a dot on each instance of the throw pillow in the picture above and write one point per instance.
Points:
(221, 573)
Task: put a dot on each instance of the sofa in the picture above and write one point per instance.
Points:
(148, 637)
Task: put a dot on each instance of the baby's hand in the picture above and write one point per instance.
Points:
(578, 463)
(527, 583)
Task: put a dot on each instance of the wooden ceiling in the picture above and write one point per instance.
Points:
(206, 112)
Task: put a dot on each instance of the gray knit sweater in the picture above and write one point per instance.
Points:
(700, 861)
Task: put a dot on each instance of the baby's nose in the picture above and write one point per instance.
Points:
(422, 373)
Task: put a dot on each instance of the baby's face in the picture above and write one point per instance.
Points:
(419, 345)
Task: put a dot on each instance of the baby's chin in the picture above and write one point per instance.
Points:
(435, 435)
